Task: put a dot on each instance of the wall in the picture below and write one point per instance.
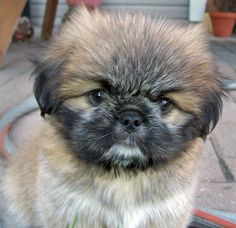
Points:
(170, 8)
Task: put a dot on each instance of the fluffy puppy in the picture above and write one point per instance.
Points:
(128, 100)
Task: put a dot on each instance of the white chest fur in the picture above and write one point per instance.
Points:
(104, 203)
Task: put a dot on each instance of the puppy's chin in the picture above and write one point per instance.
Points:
(125, 156)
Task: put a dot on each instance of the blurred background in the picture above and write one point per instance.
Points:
(26, 26)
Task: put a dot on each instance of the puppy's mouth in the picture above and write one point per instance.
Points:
(125, 151)
(127, 138)
(126, 156)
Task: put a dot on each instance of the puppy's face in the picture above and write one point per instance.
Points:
(126, 90)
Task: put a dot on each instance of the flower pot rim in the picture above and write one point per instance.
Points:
(226, 15)
(92, 3)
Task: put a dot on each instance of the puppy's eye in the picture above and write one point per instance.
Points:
(153, 97)
(96, 97)
(165, 104)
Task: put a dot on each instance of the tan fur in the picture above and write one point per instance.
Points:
(50, 164)
(176, 116)
(78, 88)
(77, 94)
(186, 101)
(81, 102)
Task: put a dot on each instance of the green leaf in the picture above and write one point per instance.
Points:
(75, 221)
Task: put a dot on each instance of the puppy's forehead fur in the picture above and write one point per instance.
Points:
(134, 53)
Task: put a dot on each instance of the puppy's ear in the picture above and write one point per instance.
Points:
(46, 85)
(211, 110)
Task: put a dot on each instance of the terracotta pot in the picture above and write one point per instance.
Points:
(222, 23)
(88, 3)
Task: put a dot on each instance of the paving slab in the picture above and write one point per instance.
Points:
(225, 55)
(232, 94)
(224, 52)
(209, 169)
(231, 163)
(18, 51)
(14, 92)
(208, 150)
(224, 138)
(226, 71)
(217, 196)
(229, 45)
(20, 67)
(228, 115)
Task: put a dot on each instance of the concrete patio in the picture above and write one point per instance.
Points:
(217, 187)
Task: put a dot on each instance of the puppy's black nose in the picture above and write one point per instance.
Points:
(131, 120)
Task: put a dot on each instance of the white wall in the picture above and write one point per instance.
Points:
(170, 8)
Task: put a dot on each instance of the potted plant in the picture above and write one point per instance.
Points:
(88, 3)
(223, 19)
